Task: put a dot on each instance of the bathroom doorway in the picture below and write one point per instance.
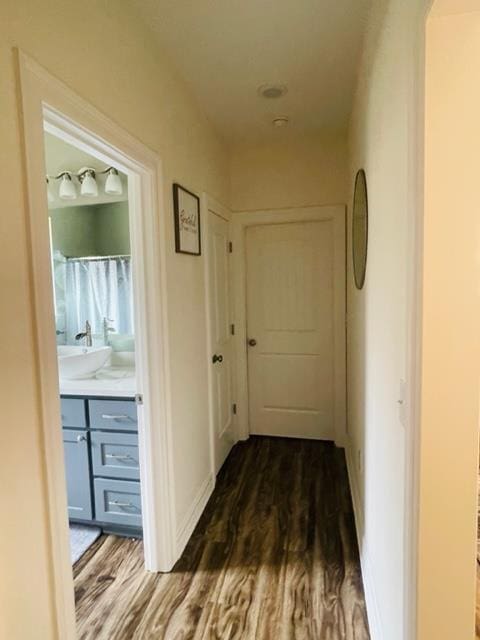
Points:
(92, 274)
(118, 339)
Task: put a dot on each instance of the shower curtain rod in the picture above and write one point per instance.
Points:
(120, 255)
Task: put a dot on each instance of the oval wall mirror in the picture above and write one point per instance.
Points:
(360, 228)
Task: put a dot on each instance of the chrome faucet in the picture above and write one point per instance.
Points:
(106, 330)
(87, 334)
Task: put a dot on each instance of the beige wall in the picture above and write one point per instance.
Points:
(104, 53)
(451, 320)
(289, 173)
(381, 139)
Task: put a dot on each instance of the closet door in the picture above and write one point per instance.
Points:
(220, 337)
(293, 282)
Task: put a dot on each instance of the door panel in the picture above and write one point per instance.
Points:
(220, 337)
(75, 445)
(290, 315)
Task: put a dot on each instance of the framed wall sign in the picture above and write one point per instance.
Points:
(186, 207)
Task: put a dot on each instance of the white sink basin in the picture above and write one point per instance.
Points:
(79, 363)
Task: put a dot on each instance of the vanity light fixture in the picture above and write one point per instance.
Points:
(67, 189)
(113, 184)
(89, 184)
(86, 176)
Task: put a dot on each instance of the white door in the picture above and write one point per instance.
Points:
(294, 280)
(221, 342)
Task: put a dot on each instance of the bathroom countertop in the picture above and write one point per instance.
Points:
(111, 381)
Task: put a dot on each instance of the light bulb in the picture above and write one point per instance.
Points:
(67, 189)
(113, 184)
(89, 184)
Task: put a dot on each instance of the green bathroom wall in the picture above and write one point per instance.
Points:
(92, 230)
(74, 231)
(113, 234)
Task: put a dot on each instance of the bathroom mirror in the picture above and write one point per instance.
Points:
(360, 229)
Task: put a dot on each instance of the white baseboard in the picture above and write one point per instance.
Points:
(192, 516)
(373, 611)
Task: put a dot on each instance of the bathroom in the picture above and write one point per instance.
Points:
(95, 334)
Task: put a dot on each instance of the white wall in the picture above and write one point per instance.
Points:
(381, 139)
(105, 54)
(451, 321)
(305, 171)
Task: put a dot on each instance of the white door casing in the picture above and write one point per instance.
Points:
(220, 340)
(47, 102)
(289, 265)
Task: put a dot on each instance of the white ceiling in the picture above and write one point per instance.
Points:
(226, 50)
(61, 156)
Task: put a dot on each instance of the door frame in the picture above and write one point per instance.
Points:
(210, 205)
(44, 99)
(240, 223)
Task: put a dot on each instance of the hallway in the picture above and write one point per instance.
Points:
(274, 556)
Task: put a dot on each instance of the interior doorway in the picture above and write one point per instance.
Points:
(291, 329)
(94, 305)
(290, 300)
(49, 106)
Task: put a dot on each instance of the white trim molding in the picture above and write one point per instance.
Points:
(240, 222)
(193, 514)
(416, 197)
(373, 610)
(47, 103)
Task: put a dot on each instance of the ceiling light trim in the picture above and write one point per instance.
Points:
(272, 91)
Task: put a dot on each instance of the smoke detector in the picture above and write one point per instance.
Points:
(280, 121)
(272, 90)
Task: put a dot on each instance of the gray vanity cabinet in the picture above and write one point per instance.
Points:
(77, 468)
(100, 437)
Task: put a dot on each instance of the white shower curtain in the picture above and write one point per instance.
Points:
(98, 288)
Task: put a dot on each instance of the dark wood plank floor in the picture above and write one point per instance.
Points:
(274, 557)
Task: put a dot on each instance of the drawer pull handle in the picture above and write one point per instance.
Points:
(117, 503)
(115, 416)
(117, 456)
(81, 438)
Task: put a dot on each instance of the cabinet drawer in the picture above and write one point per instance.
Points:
(73, 413)
(118, 502)
(118, 415)
(115, 455)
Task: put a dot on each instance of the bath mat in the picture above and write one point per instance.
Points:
(81, 538)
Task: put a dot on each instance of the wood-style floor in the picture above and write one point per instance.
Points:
(274, 557)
